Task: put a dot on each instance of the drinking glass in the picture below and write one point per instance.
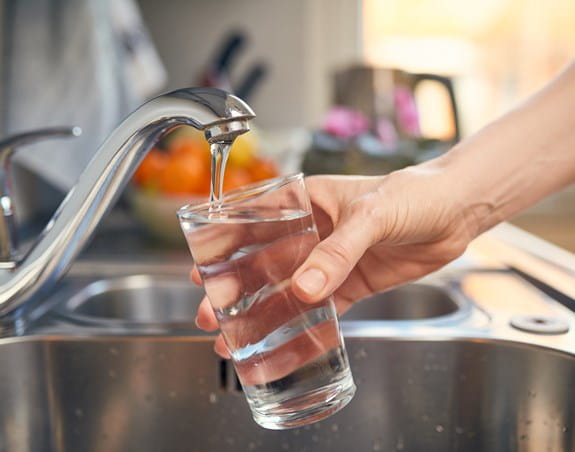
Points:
(289, 356)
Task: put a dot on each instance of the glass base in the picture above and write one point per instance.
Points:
(308, 408)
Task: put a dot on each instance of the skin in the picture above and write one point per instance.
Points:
(384, 231)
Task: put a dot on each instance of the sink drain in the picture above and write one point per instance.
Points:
(539, 324)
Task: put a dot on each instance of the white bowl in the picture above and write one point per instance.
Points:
(157, 213)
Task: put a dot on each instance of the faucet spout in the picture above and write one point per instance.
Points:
(220, 115)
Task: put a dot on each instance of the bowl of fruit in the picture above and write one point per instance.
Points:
(178, 171)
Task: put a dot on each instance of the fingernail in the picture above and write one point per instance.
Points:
(312, 281)
(222, 351)
(198, 322)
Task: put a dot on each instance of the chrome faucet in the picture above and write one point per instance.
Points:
(25, 282)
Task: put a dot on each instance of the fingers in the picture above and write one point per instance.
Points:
(206, 319)
(332, 260)
(220, 347)
(195, 275)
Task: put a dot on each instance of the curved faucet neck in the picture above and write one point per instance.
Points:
(221, 115)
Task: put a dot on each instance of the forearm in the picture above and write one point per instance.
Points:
(517, 160)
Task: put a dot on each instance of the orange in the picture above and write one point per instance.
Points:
(150, 167)
(262, 169)
(190, 146)
(184, 174)
(236, 177)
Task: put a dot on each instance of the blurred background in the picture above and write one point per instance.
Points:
(339, 86)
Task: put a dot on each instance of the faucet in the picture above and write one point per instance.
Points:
(25, 282)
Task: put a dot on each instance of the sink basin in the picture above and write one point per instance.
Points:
(147, 301)
(160, 393)
(138, 301)
(410, 302)
(117, 364)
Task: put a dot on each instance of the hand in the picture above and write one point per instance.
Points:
(377, 233)
(380, 232)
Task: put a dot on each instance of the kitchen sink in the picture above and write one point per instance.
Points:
(410, 302)
(173, 394)
(149, 301)
(143, 301)
(114, 362)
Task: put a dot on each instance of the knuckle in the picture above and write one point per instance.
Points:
(338, 253)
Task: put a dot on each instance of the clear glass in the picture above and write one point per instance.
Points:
(289, 355)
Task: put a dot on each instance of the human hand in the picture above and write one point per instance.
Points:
(377, 233)
(380, 232)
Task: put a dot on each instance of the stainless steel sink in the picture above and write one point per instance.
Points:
(143, 302)
(116, 364)
(410, 302)
(173, 394)
(149, 300)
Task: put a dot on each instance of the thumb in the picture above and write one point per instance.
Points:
(332, 260)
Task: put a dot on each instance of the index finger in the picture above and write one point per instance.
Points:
(195, 275)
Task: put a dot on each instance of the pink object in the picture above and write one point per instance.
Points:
(406, 111)
(345, 123)
(386, 132)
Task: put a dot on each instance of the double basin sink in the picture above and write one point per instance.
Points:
(115, 363)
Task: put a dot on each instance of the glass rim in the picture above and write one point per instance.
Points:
(189, 211)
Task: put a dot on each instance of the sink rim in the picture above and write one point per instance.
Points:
(89, 287)
(423, 339)
(79, 290)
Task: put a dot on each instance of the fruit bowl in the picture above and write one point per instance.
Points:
(177, 172)
(157, 213)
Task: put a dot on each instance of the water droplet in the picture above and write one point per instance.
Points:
(334, 428)
(459, 430)
(439, 428)
(285, 446)
(213, 397)
(360, 354)
(251, 445)
(564, 429)
(78, 412)
(113, 351)
(315, 438)
(172, 394)
(112, 373)
(376, 445)
(400, 445)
